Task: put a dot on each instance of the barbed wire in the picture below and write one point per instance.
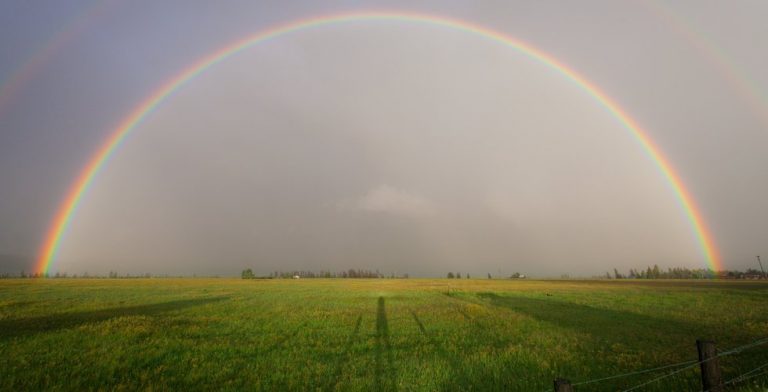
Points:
(666, 375)
(687, 365)
(744, 347)
(746, 376)
(636, 372)
(721, 354)
(752, 376)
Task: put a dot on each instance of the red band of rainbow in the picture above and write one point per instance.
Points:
(67, 209)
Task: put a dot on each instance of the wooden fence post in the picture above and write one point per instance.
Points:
(563, 385)
(711, 379)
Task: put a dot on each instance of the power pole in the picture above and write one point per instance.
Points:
(761, 265)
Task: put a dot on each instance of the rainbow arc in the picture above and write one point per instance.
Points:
(80, 187)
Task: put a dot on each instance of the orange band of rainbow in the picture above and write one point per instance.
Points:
(67, 209)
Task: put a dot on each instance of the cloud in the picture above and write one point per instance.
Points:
(388, 199)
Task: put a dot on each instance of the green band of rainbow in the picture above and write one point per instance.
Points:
(79, 188)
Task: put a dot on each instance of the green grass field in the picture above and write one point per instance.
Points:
(222, 334)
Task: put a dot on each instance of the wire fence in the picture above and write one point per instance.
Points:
(748, 375)
(677, 368)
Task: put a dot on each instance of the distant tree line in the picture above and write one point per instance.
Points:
(684, 273)
(457, 275)
(84, 275)
(648, 273)
(348, 274)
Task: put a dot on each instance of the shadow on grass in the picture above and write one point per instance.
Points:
(33, 325)
(16, 304)
(748, 285)
(609, 325)
(383, 347)
(633, 332)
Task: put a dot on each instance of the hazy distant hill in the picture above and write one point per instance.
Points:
(14, 264)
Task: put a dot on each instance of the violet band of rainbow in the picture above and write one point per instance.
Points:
(69, 206)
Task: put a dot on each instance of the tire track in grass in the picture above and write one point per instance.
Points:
(261, 352)
(344, 357)
(483, 333)
(511, 373)
(457, 368)
(280, 342)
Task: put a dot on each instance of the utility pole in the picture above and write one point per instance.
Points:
(761, 265)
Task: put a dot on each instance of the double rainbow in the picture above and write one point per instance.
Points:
(69, 206)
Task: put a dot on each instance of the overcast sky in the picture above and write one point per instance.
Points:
(389, 145)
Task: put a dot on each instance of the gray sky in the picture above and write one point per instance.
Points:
(386, 145)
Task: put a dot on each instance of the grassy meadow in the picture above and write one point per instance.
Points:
(376, 334)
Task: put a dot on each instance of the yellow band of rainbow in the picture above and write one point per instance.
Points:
(67, 209)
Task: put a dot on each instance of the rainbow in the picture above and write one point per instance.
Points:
(26, 72)
(69, 206)
(738, 81)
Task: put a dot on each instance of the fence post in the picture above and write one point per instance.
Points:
(711, 379)
(563, 385)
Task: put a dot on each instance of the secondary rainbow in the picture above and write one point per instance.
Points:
(11, 87)
(738, 81)
(69, 206)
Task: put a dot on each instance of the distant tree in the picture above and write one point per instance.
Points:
(247, 274)
(450, 275)
(467, 276)
(458, 275)
(489, 276)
